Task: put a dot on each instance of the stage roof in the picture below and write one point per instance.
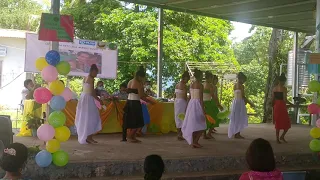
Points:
(294, 15)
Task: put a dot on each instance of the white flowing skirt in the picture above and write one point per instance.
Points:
(88, 120)
(194, 120)
(238, 117)
(180, 106)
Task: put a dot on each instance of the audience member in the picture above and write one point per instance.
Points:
(261, 162)
(122, 92)
(27, 92)
(148, 90)
(13, 161)
(100, 90)
(153, 167)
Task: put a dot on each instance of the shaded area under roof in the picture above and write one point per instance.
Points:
(294, 15)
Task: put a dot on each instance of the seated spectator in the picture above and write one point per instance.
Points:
(100, 90)
(153, 167)
(261, 162)
(147, 89)
(13, 160)
(122, 93)
(27, 92)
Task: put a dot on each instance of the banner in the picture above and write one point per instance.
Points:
(81, 54)
(55, 27)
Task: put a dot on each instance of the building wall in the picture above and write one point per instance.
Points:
(13, 74)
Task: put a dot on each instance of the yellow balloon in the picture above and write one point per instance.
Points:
(41, 63)
(53, 145)
(56, 87)
(62, 133)
(315, 132)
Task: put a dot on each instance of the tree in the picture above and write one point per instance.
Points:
(20, 14)
(186, 38)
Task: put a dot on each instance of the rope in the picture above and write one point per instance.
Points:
(11, 81)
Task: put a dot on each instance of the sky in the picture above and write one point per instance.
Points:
(241, 31)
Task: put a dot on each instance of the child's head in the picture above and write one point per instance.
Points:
(153, 167)
(260, 156)
(14, 158)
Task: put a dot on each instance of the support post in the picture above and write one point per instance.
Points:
(317, 77)
(55, 9)
(295, 78)
(160, 53)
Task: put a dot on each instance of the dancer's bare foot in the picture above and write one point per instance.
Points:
(210, 136)
(282, 139)
(238, 137)
(214, 130)
(196, 145)
(278, 141)
(139, 134)
(206, 137)
(134, 140)
(89, 141)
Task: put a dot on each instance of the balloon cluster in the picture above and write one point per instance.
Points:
(315, 134)
(314, 86)
(56, 94)
(314, 108)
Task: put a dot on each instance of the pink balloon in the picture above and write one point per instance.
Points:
(49, 73)
(318, 123)
(98, 104)
(67, 94)
(313, 108)
(42, 95)
(45, 132)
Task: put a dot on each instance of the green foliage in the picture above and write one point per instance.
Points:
(20, 14)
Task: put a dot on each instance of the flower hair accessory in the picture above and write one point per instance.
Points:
(10, 151)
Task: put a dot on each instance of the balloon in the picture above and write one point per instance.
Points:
(181, 116)
(56, 87)
(315, 145)
(43, 158)
(145, 113)
(52, 145)
(98, 104)
(314, 86)
(67, 94)
(63, 67)
(53, 57)
(62, 133)
(41, 63)
(210, 119)
(45, 132)
(60, 158)
(49, 73)
(315, 132)
(57, 119)
(318, 123)
(57, 103)
(42, 95)
(313, 109)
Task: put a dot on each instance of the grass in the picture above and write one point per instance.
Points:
(16, 117)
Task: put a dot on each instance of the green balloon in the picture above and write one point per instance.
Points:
(60, 158)
(57, 119)
(314, 86)
(63, 67)
(315, 145)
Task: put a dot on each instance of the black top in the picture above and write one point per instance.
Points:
(135, 91)
(278, 96)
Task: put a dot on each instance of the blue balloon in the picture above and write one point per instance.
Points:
(53, 57)
(43, 158)
(57, 103)
(145, 112)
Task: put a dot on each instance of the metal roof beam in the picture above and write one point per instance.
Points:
(178, 2)
(268, 8)
(226, 5)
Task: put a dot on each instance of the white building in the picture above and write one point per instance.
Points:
(12, 60)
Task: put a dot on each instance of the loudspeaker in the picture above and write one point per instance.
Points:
(6, 135)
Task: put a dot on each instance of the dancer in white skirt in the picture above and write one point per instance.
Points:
(88, 120)
(238, 116)
(181, 102)
(194, 122)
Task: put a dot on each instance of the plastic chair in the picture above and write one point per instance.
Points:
(299, 175)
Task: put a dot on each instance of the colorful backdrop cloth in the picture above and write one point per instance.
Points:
(161, 116)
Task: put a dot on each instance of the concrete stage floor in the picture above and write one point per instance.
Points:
(110, 147)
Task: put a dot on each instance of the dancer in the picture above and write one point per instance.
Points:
(238, 116)
(216, 98)
(88, 120)
(211, 103)
(181, 102)
(133, 116)
(280, 112)
(194, 122)
(261, 162)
